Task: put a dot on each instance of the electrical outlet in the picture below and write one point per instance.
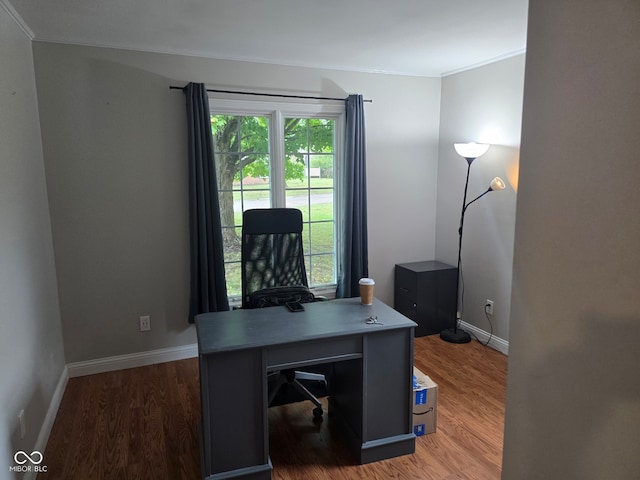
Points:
(488, 307)
(145, 323)
(23, 424)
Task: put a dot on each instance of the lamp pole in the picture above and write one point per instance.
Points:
(470, 151)
(455, 335)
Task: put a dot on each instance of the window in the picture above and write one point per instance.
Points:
(279, 155)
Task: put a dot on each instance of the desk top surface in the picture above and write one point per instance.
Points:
(241, 329)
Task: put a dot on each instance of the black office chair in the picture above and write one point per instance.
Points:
(273, 272)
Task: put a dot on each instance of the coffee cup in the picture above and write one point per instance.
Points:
(366, 290)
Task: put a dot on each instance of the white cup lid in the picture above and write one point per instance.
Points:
(367, 281)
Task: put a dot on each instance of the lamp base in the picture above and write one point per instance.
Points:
(453, 335)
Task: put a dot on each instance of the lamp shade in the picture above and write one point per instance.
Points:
(497, 184)
(471, 150)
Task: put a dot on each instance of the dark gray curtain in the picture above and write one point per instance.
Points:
(353, 262)
(208, 286)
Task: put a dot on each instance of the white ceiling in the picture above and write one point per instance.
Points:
(413, 37)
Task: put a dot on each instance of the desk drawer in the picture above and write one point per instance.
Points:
(313, 352)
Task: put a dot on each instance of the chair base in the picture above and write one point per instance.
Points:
(293, 378)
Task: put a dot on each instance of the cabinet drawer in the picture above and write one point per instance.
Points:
(308, 353)
(406, 306)
(405, 283)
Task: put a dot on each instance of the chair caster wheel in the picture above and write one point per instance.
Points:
(317, 414)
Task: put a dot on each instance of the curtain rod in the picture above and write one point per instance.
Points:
(280, 95)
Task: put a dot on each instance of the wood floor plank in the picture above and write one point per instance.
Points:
(142, 423)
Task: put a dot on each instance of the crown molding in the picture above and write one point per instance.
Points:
(486, 62)
(7, 7)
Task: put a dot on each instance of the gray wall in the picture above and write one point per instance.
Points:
(31, 353)
(114, 148)
(482, 105)
(573, 394)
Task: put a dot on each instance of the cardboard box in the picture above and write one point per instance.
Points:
(425, 404)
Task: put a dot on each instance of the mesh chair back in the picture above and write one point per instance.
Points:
(272, 254)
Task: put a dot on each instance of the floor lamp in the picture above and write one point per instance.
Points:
(470, 151)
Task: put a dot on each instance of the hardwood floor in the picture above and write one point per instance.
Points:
(143, 423)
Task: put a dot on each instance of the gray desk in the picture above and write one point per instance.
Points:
(370, 388)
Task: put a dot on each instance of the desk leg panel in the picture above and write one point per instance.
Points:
(371, 397)
(387, 407)
(234, 415)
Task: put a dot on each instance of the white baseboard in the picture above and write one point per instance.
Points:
(131, 360)
(50, 417)
(496, 343)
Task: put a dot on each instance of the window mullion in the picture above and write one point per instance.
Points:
(278, 195)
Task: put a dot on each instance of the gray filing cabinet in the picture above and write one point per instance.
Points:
(425, 292)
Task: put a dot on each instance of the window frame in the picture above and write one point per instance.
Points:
(277, 112)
